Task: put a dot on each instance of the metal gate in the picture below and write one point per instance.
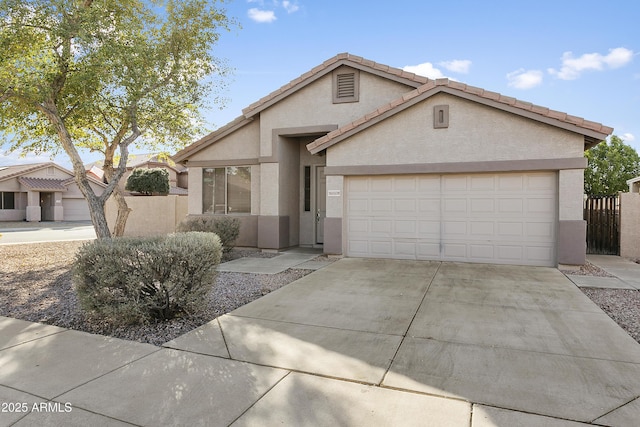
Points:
(602, 214)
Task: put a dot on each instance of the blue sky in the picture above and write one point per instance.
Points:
(580, 57)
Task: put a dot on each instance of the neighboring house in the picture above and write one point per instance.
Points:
(372, 161)
(42, 192)
(634, 185)
(178, 174)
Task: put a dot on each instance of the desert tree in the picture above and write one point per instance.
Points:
(107, 75)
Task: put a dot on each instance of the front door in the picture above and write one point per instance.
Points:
(321, 203)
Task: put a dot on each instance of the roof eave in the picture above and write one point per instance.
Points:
(409, 79)
(591, 136)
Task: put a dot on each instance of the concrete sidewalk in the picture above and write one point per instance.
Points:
(359, 342)
(624, 270)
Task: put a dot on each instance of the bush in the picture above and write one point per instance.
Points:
(148, 181)
(133, 280)
(227, 228)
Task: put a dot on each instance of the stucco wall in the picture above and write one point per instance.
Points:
(313, 105)
(475, 133)
(150, 215)
(630, 225)
(241, 144)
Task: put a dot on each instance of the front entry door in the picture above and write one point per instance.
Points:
(321, 203)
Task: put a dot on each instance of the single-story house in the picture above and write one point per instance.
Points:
(42, 192)
(367, 160)
(634, 184)
(178, 174)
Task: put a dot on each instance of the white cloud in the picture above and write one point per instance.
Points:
(628, 137)
(573, 67)
(261, 16)
(426, 69)
(8, 158)
(290, 7)
(525, 79)
(457, 65)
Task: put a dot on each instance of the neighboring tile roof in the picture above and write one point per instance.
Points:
(179, 191)
(594, 132)
(7, 172)
(43, 184)
(136, 160)
(327, 66)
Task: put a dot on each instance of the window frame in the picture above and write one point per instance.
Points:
(226, 190)
(3, 200)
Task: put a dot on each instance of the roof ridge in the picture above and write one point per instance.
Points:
(341, 57)
(439, 85)
(33, 167)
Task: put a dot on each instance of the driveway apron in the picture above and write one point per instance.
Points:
(522, 339)
(359, 342)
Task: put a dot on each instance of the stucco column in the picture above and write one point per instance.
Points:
(572, 229)
(58, 209)
(194, 204)
(34, 213)
(273, 229)
(333, 221)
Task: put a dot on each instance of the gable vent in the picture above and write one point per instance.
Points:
(346, 85)
(346, 82)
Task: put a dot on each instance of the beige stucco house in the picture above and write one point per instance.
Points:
(367, 160)
(634, 184)
(42, 192)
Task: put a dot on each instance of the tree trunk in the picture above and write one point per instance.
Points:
(118, 195)
(123, 212)
(98, 217)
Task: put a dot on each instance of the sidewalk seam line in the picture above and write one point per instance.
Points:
(413, 318)
(261, 397)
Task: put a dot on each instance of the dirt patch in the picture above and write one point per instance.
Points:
(36, 285)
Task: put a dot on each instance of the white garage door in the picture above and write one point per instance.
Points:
(506, 218)
(75, 210)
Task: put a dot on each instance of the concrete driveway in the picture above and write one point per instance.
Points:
(360, 342)
(24, 232)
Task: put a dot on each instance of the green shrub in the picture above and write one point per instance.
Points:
(148, 181)
(133, 280)
(227, 228)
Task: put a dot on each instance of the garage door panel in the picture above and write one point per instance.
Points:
(540, 206)
(510, 183)
(453, 183)
(482, 228)
(426, 250)
(75, 210)
(381, 206)
(502, 218)
(482, 252)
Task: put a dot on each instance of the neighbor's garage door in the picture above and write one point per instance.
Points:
(506, 218)
(75, 210)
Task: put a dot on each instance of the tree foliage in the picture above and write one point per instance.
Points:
(149, 181)
(610, 165)
(98, 74)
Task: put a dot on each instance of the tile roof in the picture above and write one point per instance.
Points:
(329, 65)
(594, 132)
(43, 184)
(7, 172)
(410, 79)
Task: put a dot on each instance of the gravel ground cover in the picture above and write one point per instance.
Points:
(35, 285)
